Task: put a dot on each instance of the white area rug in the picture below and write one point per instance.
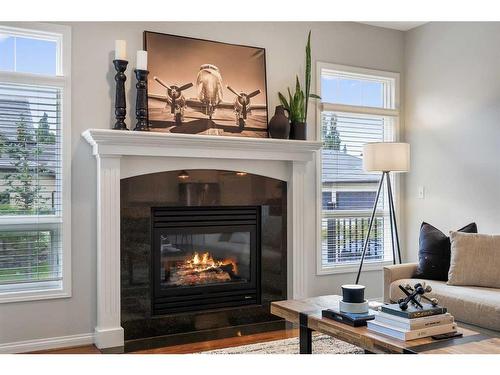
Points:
(321, 344)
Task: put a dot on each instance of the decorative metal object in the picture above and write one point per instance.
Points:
(120, 102)
(141, 104)
(415, 295)
(408, 289)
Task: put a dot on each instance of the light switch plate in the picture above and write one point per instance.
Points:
(421, 192)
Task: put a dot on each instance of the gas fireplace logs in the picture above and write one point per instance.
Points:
(202, 269)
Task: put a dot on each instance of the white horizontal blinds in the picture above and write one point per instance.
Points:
(343, 239)
(30, 187)
(30, 256)
(31, 149)
(348, 193)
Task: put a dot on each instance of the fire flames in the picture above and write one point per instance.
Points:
(205, 262)
(202, 268)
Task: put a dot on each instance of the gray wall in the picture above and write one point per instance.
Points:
(453, 125)
(92, 107)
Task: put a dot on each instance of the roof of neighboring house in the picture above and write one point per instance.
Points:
(17, 106)
(48, 159)
(339, 166)
(11, 111)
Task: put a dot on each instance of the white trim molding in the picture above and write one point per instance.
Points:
(123, 154)
(47, 344)
(112, 142)
(108, 330)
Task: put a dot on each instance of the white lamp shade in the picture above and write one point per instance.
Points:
(386, 157)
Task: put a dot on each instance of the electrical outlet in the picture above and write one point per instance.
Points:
(421, 192)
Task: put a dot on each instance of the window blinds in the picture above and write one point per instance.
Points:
(30, 184)
(348, 193)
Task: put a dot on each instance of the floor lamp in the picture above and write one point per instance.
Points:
(385, 157)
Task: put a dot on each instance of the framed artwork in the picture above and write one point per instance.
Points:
(198, 86)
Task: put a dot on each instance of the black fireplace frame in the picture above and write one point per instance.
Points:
(205, 297)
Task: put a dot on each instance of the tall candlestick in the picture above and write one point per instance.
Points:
(142, 60)
(120, 101)
(141, 104)
(120, 50)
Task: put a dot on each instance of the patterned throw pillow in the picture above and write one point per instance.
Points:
(434, 252)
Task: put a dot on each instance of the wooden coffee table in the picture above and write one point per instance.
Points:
(307, 314)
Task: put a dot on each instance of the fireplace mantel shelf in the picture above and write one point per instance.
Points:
(106, 142)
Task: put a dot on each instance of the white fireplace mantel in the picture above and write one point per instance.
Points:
(109, 146)
(121, 143)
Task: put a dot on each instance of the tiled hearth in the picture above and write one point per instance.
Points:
(134, 172)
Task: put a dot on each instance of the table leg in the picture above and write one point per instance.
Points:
(305, 335)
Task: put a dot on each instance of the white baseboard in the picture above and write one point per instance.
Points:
(48, 343)
(109, 337)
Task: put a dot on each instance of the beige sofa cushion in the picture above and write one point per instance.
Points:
(468, 304)
(475, 260)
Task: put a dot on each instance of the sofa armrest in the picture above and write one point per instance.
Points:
(397, 272)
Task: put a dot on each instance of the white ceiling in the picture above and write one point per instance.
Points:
(403, 26)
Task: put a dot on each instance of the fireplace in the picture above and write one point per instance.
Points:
(201, 258)
(136, 172)
(205, 258)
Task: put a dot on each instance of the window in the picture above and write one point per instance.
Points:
(34, 162)
(357, 106)
(28, 54)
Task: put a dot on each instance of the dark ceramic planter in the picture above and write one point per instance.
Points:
(298, 130)
(279, 126)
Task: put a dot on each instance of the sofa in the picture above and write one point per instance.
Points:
(474, 305)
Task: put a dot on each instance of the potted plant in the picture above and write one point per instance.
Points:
(297, 104)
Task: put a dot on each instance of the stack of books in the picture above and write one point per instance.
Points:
(413, 323)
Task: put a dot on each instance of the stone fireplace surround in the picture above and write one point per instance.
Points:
(122, 154)
(245, 310)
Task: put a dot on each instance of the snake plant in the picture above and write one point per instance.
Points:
(296, 104)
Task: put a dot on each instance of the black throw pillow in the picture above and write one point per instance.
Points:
(434, 252)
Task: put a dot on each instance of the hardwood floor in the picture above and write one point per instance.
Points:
(190, 348)
(87, 349)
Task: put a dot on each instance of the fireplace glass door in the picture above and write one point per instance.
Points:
(205, 257)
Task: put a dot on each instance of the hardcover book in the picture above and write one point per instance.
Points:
(412, 324)
(413, 312)
(355, 320)
(407, 335)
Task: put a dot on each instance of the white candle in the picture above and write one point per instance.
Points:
(142, 60)
(120, 50)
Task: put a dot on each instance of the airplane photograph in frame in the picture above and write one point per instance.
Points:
(198, 86)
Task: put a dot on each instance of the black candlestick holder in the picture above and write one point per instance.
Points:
(141, 104)
(120, 101)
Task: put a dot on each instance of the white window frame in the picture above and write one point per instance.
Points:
(62, 35)
(393, 113)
